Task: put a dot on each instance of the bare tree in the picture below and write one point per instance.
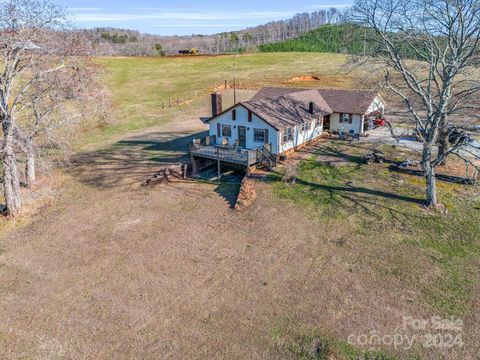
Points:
(37, 50)
(52, 108)
(435, 82)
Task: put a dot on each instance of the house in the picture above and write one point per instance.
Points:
(280, 120)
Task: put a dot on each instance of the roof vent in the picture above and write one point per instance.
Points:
(311, 108)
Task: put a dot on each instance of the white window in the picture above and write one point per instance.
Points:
(287, 135)
(346, 118)
(226, 131)
(305, 127)
(259, 135)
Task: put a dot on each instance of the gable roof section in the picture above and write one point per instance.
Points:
(245, 105)
(274, 92)
(340, 101)
(348, 101)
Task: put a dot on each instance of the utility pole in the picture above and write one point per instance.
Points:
(365, 43)
(234, 80)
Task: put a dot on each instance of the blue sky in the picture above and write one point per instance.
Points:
(185, 17)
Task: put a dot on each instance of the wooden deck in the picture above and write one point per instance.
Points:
(228, 155)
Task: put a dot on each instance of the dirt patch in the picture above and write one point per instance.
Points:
(333, 161)
(247, 194)
(303, 78)
(321, 81)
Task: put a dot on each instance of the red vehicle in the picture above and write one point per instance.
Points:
(379, 122)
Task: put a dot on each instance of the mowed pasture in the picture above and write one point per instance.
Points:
(140, 86)
(105, 268)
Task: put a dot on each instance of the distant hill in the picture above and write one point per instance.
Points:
(341, 38)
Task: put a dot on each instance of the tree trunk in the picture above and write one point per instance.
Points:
(442, 140)
(442, 146)
(30, 173)
(431, 187)
(11, 182)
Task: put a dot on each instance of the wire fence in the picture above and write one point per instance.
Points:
(282, 80)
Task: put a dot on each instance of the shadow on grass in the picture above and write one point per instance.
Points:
(133, 160)
(164, 143)
(442, 177)
(229, 192)
(367, 200)
(333, 152)
(330, 151)
(359, 190)
(229, 186)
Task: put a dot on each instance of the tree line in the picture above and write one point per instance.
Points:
(124, 42)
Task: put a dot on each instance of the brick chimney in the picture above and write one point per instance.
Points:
(311, 107)
(216, 104)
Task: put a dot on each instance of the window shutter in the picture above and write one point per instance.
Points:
(341, 119)
(250, 116)
(219, 130)
(350, 119)
(234, 114)
(266, 136)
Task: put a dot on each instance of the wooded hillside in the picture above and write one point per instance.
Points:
(345, 38)
(331, 38)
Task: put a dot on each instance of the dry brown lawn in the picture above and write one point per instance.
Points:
(114, 270)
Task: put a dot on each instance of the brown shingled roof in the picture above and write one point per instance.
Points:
(340, 101)
(348, 101)
(274, 92)
(289, 110)
(286, 107)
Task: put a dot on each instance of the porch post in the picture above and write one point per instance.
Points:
(219, 170)
(194, 165)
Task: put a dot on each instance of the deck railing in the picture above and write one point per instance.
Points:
(226, 154)
(207, 148)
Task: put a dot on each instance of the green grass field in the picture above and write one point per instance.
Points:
(140, 86)
(382, 213)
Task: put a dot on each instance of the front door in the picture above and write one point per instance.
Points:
(242, 136)
(326, 123)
